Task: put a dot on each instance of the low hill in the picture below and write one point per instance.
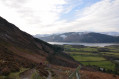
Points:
(83, 37)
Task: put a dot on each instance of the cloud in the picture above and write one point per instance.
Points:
(37, 10)
(34, 14)
(44, 16)
(100, 17)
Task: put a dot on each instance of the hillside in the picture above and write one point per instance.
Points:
(83, 37)
(110, 33)
(20, 50)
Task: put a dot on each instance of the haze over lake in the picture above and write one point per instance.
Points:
(85, 44)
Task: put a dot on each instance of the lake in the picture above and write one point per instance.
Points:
(85, 44)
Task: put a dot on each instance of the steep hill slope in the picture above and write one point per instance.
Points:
(84, 37)
(19, 49)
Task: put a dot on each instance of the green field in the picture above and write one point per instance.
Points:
(102, 64)
(87, 58)
(81, 49)
(94, 56)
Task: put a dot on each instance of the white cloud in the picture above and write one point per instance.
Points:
(42, 16)
(101, 16)
(31, 15)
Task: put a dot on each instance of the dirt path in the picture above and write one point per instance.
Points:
(27, 74)
(50, 75)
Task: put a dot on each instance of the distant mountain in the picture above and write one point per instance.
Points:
(41, 35)
(111, 33)
(21, 50)
(84, 37)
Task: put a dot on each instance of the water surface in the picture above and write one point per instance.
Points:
(85, 44)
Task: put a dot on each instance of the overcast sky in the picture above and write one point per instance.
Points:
(57, 16)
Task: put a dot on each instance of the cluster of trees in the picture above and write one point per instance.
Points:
(61, 58)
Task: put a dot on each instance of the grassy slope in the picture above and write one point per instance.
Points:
(14, 75)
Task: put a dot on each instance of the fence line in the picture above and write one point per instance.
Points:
(75, 73)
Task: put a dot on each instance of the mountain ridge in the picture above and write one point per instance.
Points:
(83, 37)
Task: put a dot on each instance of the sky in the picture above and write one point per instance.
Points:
(59, 16)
